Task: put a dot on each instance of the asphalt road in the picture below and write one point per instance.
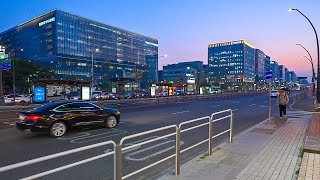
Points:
(18, 146)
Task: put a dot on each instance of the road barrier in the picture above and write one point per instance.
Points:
(298, 97)
(124, 103)
(119, 149)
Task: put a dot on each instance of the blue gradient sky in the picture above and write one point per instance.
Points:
(184, 28)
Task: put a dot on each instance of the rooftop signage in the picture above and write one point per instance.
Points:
(47, 21)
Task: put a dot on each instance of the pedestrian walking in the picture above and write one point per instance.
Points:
(283, 101)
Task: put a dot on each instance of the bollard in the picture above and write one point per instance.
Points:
(177, 151)
(118, 162)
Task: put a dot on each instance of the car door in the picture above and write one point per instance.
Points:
(71, 113)
(90, 113)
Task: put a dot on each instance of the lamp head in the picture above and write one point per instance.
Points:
(291, 9)
(97, 50)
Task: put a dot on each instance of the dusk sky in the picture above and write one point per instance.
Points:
(184, 28)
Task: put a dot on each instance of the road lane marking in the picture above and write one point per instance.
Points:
(97, 136)
(215, 106)
(11, 124)
(266, 101)
(252, 104)
(263, 106)
(180, 112)
(235, 109)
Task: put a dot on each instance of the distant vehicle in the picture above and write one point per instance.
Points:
(21, 99)
(178, 92)
(73, 96)
(274, 93)
(216, 91)
(96, 94)
(56, 118)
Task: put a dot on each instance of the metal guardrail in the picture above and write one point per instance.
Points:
(124, 103)
(45, 158)
(298, 97)
(119, 149)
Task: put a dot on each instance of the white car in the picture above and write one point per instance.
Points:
(216, 91)
(21, 99)
(274, 93)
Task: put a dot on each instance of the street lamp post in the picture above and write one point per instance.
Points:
(91, 88)
(311, 61)
(313, 74)
(318, 69)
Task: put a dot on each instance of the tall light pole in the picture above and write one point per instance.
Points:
(91, 88)
(313, 74)
(311, 61)
(318, 69)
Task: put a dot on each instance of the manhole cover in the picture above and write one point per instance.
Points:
(263, 131)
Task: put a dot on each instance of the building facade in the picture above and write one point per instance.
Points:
(267, 65)
(282, 73)
(259, 65)
(184, 73)
(67, 43)
(232, 61)
(275, 70)
(293, 76)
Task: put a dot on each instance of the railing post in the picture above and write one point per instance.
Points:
(210, 137)
(177, 151)
(231, 126)
(118, 162)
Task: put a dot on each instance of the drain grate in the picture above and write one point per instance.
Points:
(263, 131)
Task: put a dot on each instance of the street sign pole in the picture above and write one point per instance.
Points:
(269, 77)
(270, 102)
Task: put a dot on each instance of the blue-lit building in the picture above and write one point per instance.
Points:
(232, 61)
(260, 65)
(275, 70)
(267, 65)
(67, 43)
(183, 72)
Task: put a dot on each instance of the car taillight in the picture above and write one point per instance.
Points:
(32, 118)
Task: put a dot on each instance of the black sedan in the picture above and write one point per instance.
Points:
(56, 118)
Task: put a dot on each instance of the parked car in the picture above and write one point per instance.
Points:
(73, 96)
(21, 99)
(96, 94)
(274, 93)
(216, 91)
(56, 118)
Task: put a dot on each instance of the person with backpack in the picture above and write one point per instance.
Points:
(283, 101)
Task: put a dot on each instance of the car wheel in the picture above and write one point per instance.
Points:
(111, 121)
(58, 129)
(22, 102)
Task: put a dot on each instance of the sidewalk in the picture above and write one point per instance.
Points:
(269, 150)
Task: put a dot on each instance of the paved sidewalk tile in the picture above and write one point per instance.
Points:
(310, 167)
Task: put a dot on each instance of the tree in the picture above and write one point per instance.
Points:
(25, 71)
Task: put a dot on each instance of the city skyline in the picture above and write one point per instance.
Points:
(268, 25)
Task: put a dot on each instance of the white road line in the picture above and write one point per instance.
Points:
(180, 112)
(263, 106)
(266, 101)
(235, 109)
(252, 104)
(215, 106)
(96, 136)
(11, 124)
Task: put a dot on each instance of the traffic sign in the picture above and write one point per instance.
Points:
(269, 75)
(6, 65)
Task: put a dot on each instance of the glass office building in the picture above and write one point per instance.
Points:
(232, 61)
(260, 65)
(67, 43)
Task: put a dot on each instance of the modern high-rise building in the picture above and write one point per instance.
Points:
(184, 72)
(259, 65)
(293, 76)
(232, 61)
(282, 73)
(67, 43)
(267, 65)
(275, 70)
